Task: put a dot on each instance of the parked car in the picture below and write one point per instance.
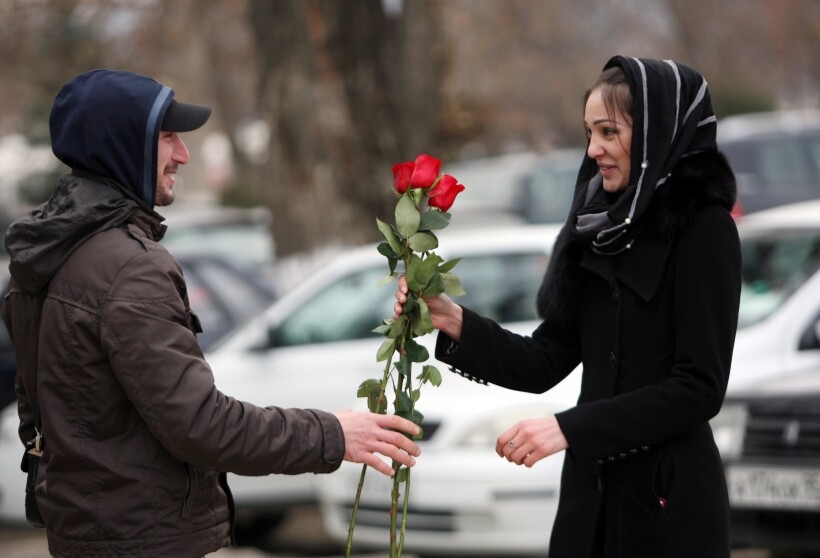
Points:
(8, 363)
(545, 193)
(780, 294)
(241, 236)
(768, 431)
(492, 185)
(12, 479)
(516, 188)
(770, 445)
(464, 500)
(314, 346)
(222, 295)
(774, 156)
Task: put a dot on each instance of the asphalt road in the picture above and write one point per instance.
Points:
(300, 535)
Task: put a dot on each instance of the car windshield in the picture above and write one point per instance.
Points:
(547, 193)
(781, 161)
(775, 265)
(500, 286)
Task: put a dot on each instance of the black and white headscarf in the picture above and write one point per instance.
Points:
(672, 118)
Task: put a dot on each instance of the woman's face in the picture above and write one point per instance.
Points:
(610, 138)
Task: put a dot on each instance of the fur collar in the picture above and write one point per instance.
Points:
(698, 181)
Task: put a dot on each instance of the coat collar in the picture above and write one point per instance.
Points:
(639, 268)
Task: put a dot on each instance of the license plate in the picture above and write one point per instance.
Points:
(376, 488)
(774, 488)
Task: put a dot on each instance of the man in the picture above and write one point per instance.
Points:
(137, 437)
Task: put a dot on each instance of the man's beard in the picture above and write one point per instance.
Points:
(164, 198)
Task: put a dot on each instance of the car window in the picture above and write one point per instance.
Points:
(773, 268)
(814, 151)
(499, 286)
(502, 286)
(782, 162)
(237, 291)
(547, 194)
(214, 318)
(348, 309)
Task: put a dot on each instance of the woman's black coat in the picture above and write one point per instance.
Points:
(654, 327)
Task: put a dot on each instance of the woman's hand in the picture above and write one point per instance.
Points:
(530, 441)
(447, 316)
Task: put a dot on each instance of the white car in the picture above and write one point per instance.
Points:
(767, 430)
(314, 346)
(464, 499)
(780, 295)
(12, 479)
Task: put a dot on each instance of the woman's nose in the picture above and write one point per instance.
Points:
(594, 150)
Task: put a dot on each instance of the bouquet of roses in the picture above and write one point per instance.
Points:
(424, 197)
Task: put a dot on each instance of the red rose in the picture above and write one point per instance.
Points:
(445, 192)
(401, 176)
(425, 171)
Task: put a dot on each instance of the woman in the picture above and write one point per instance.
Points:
(642, 290)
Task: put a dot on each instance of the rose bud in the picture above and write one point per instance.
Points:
(444, 193)
(401, 176)
(426, 171)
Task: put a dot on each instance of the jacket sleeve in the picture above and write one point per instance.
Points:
(156, 358)
(21, 314)
(705, 309)
(491, 353)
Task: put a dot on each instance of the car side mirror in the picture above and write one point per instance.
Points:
(274, 337)
(810, 341)
(270, 341)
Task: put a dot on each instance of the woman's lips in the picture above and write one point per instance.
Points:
(607, 169)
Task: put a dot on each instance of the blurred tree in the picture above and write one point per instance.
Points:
(41, 49)
(346, 91)
(319, 97)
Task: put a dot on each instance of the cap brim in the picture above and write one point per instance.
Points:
(182, 117)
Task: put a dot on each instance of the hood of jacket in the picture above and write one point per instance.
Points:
(81, 205)
(107, 122)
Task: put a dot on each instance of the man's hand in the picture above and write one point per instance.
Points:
(367, 434)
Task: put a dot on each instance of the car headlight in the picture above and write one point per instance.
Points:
(485, 431)
(729, 427)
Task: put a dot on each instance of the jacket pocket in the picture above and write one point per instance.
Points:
(663, 478)
(190, 486)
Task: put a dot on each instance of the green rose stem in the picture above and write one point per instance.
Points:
(359, 488)
(400, 475)
(412, 242)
